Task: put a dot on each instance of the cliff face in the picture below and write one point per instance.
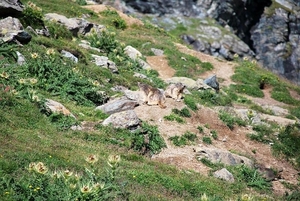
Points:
(270, 28)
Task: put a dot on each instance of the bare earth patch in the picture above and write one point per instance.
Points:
(235, 140)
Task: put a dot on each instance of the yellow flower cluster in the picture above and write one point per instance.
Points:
(33, 6)
(29, 80)
(39, 167)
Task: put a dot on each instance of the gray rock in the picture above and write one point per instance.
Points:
(144, 64)
(21, 59)
(56, 107)
(69, 55)
(223, 156)
(88, 47)
(76, 25)
(188, 82)
(104, 62)
(134, 95)
(212, 82)
(11, 29)
(117, 105)
(125, 119)
(224, 174)
(132, 52)
(157, 52)
(11, 8)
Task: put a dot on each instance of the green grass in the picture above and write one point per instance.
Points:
(231, 120)
(187, 138)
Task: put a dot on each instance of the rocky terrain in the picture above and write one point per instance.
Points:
(267, 30)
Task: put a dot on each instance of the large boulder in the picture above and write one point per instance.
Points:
(11, 29)
(117, 105)
(78, 26)
(216, 155)
(125, 119)
(104, 62)
(12, 8)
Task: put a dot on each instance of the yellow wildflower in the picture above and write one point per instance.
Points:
(22, 81)
(85, 189)
(99, 185)
(4, 75)
(50, 52)
(204, 197)
(92, 159)
(113, 160)
(235, 55)
(96, 83)
(34, 55)
(31, 166)
(41, 168)
(68, 173)
(33, 80)
(245, 59)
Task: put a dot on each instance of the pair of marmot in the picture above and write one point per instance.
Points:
(155, 96)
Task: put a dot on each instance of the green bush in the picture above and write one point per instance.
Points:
(55, 75)
(183, 112)
(288, 144)
(81, 2)
(200, 129)
(32, 16)
(230, 120)
(263, 133)
(214, 134)
(147, 139)
(63, 122)
(252, 177)
(282, 94)
(119, 23)
(185, 139)
(8, 51)
(190, 102)
(206, 140)
(57, 30)
(174, 117)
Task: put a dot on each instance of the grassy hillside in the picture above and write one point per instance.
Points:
(42, 159)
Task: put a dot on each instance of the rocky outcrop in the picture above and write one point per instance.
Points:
(11, 29)
(125, 119)
(118, 105)
(78, 26)
(12, 8)
(265, 29)
(223, 156)
(276, 43)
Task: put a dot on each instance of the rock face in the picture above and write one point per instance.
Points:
(11, 8)
(222, 156)
(265, 29)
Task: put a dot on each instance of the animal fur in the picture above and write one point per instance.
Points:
(175, 91)
(152, 96)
